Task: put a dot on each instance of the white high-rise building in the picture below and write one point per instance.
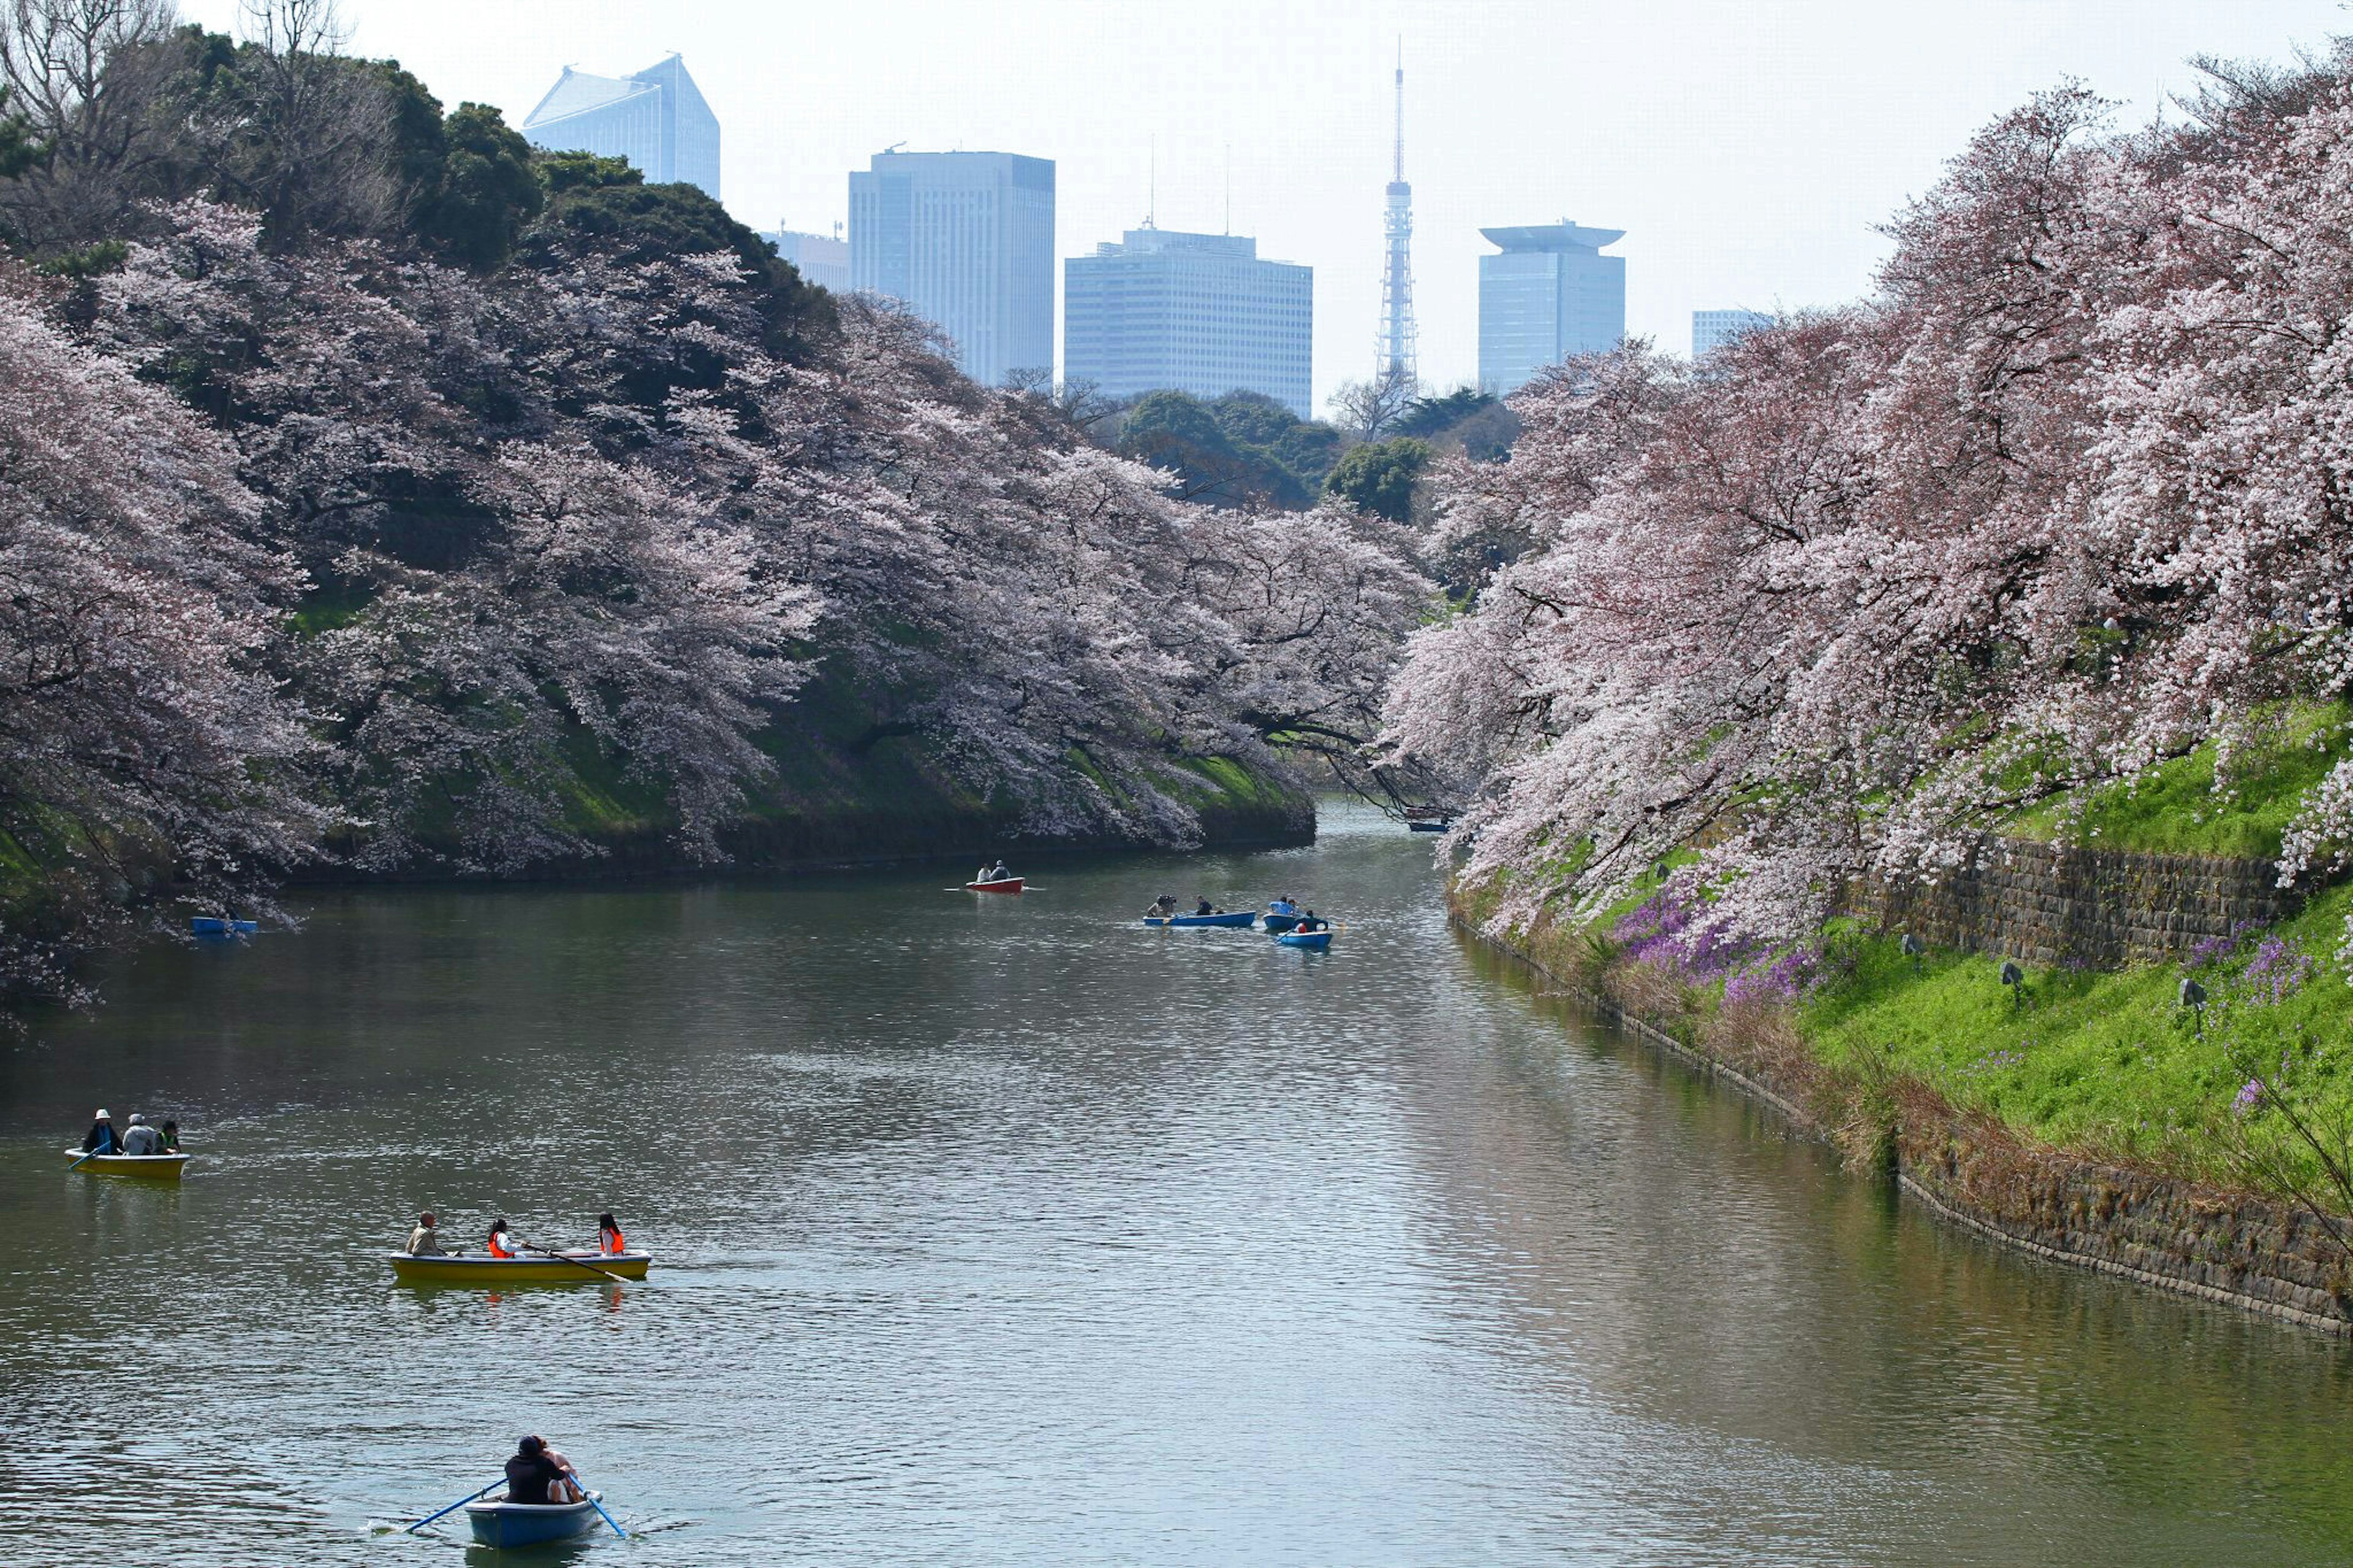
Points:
(1190, 312)
(655, 118)
(1711, 330)
(1549, 295)
(822, 260)
(966, 239)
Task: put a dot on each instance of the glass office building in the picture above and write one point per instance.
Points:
(1190, 312)
(656, 118)
(967, 240)
(1711, 330)
(822, 260)
(1550, 294)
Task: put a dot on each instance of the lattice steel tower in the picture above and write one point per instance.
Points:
(1396, 354)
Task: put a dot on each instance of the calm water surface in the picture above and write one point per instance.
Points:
(1004, 1231)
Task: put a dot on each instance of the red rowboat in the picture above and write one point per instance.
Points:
(1009, 885)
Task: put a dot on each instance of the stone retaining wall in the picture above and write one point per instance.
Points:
(2104, 909)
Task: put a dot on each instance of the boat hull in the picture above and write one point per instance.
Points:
(137, 1167)
(1240, 919)
(202, 925)
(482, 1271)
(1277, 924)
(1428, 826)
(529, 1524)
(1010, 885)
(1314, 941)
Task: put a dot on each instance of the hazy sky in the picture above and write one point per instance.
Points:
(1747, 147)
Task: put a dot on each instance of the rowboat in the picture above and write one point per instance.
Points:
(530, 1523)
(1006, 885)
(1430, 825)
(481, 1269)
(140, 1167)
(1316, 940)
(1239, 918)
(206, 925)
(1277, 924)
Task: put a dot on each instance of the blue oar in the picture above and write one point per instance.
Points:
(86, 1155)
(597, 1506)
(459, 1504)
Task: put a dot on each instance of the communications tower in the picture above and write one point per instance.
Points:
(1397, 349)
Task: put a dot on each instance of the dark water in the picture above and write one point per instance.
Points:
(1004, 1231)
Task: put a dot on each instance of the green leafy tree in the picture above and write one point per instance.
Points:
(483, 192)
(1379, 476)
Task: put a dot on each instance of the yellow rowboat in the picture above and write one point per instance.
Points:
(140, 1167)
(481, 1269)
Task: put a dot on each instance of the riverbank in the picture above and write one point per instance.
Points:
(1923, 1071)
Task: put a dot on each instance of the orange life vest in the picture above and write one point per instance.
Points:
(611, 1236)
(496, 1250)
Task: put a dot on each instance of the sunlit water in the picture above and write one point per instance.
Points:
(1005, 1231)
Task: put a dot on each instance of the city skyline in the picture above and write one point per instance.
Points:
(1751, 151)
(1161, 310)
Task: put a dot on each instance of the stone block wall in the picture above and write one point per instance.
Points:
(2042, 903)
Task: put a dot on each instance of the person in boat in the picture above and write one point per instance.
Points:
(101, 1138)
(141, 1139)
(170, 1136)
(1283, 906)
(538, 1474)
(1202, 908)
(1162, 908)
(425, 1239)
(608, 1237)
(1309, 921)
(502, 1241)
(997, 873)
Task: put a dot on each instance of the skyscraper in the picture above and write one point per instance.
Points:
(1190, 313)
(821, 259)
(1550, 294)
(966, 239)
(1397, 337)
(1711, 330)
(655, 118)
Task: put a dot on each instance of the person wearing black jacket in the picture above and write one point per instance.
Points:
(101, 1138)
(538, 1474)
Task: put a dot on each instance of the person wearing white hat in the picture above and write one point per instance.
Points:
(101, 1139)
(141, 1139)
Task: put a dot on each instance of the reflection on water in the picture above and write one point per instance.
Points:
(1003, 1230)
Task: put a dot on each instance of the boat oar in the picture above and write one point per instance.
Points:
(87, 1154)
(551, 1252)
(597, 1506)
(456, 1506)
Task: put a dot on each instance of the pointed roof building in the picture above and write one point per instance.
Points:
(655, 118)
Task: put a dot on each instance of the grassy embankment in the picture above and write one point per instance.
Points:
(2105, 1065)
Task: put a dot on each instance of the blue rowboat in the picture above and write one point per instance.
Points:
(206, 925)
(1428, 824)
(1278, 925)
(1242, 918)
(1316, 940)
(530, 1523)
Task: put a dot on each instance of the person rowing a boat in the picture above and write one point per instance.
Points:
(1202, 908)
(538, 1474)
(425, 1240)
(502, 1241)
(101, 1138)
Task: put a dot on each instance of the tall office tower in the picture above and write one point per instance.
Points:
(822, 260)
(1190, 312)
(1711, 330)
(1550, 294)
(655, 118)
(966, 239)
(1396, 348)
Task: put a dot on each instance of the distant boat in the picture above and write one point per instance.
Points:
(530, 1523)
(1315, 939)
(208, 925)
(479, 1268)
(1242, 918)
(140, 1167)
(1005, 885)
(1428, 818)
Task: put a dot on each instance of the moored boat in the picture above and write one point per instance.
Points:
(1239, 918)
(1002, 885)
(1316, 941)
(140, 1167)
(530, 1523)
(481, 1269)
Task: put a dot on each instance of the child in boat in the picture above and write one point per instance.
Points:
(101, 1138)
(538, 1474)
(502, 1241)
(425, 1240)
(608, 1237)
(170, 1136)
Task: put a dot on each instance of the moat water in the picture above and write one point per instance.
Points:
(1005, 1231)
